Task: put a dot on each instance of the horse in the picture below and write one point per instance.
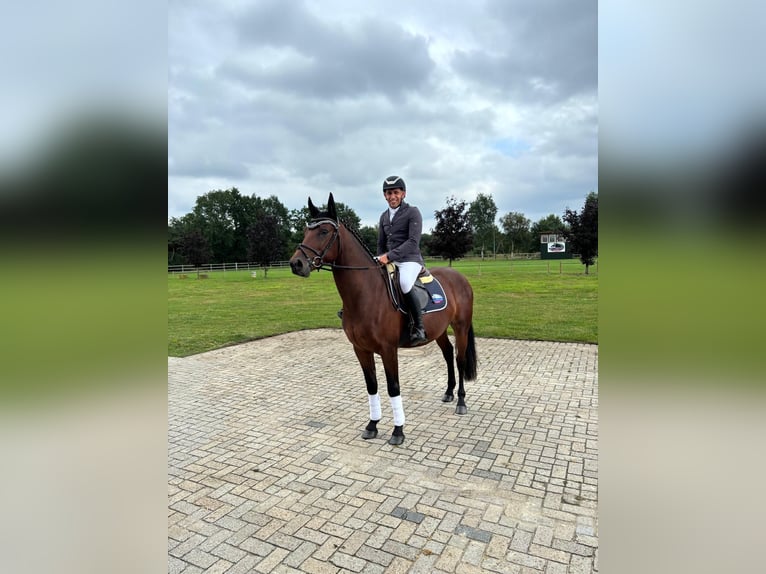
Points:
(371, 322)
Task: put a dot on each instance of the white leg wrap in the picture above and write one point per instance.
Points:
(375, 413)
(396, 406)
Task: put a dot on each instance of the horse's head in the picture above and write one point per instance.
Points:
(320, 240)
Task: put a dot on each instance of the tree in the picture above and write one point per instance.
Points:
(425, 244)
(481, 214)
(187, 243)
(583, 230)
(223, 219)
(549, 224)
(369, 235)
(272, 207)
(195, 248)
(266, 243)
(516, 229)
(224, 216)
(298, 219)
(452, 237)
(176, 229)
(347, 215)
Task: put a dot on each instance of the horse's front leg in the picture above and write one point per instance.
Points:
(367, 361)
(391, 367)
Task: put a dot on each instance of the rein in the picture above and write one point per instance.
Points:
(317, 261)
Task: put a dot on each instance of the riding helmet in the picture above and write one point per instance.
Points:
(394, 182)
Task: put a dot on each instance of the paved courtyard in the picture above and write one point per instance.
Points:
(268, 473)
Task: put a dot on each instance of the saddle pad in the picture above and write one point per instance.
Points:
(437, 300)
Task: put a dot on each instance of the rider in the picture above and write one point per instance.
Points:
(399, 232)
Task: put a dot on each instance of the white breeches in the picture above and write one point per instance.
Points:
(408, 274)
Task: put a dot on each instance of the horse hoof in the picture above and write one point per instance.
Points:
(448, 398)
(396, 440)
(368, 434)
(461, 410)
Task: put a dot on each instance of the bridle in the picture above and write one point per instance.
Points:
(317, 260)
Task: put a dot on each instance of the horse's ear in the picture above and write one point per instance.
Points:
(313, 211)
(331, 211)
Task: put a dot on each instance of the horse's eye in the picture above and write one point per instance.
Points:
(323, 232)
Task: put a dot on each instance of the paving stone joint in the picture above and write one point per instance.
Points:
(268, 473)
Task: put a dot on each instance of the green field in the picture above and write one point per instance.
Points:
(538, 300)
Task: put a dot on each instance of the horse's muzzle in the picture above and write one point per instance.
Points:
(300, 265)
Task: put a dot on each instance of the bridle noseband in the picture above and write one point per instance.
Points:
(317, 261)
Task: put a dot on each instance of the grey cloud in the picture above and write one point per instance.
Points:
(339, 61)
(275, 126)
(544, 51)
(277, 98)
(196, 166)
(569, 130)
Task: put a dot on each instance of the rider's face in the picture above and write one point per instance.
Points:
(394, 197)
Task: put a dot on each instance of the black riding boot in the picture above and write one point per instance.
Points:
(418, 332)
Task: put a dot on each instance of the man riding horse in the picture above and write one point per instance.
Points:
(399, 233)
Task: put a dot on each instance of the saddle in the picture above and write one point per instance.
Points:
(428, 291)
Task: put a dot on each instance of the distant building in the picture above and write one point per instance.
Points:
(553, 246)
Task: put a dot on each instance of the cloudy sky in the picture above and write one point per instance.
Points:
(308, 97)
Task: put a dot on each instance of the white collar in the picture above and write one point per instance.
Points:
(392, 212)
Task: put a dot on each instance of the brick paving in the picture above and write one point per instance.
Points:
(268, 473)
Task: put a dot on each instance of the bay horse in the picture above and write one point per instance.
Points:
(371, 322)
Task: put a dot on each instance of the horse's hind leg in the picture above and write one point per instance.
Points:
(449, 356)
(461, 342)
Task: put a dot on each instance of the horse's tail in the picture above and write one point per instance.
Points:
(471, 360)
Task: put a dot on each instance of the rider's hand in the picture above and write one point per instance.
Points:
(383, 259)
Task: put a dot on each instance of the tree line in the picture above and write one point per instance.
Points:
(226, 226)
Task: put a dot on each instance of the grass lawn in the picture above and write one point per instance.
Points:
(519, 300)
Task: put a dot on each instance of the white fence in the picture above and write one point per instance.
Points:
(245, 266)
(209, 267)
(172, 269)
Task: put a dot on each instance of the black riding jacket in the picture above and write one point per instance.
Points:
(401, 239)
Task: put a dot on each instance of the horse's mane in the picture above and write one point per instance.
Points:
(358, 237)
